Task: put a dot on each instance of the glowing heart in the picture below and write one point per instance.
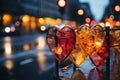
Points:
(98, 35)
(98, 57)
(61, 42)
(78, 55)
(97, 50)
(85, 38)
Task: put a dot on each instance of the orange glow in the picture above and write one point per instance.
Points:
(33, 25)
(7, 19)
(102, 24)
(117, 8)
(9, 64)
(17, 23)
(88, 20)
(80, 12)
(25, 18)
(61, 3)
(58, 20)
(59, 50)
(98, 43)
(26, 47)
(118, 23)
(41, 20)
(32, 18)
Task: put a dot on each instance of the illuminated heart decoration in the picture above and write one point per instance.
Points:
(78, 75)
(98, 57)
(85, 38)
(98, 35)
(96, 74)
(61, 42)
(78, 55)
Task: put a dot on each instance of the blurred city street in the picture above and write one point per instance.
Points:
(29, 60)
(60, 40)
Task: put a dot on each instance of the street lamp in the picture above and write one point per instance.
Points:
(61, 5)
(117, 8)
(80, 12)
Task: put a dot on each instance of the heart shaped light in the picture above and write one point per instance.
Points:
(61, 41)
(78, 55)
(98, 35)
(85, 38)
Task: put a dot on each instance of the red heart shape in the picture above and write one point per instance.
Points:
(61, 42)
(98, 57)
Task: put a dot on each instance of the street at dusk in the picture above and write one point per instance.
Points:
(60, 40)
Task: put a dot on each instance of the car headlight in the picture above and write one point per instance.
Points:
(7, 29)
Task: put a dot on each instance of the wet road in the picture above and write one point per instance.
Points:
(28, 58)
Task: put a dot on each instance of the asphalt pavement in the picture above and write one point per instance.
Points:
(36, 62)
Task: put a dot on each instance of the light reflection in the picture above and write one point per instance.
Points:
(41, 58)
(7, 47)
(7, 39)
(41, 42)
(26, 47)
(9, 64)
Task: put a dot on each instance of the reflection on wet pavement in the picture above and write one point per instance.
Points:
(33, 61)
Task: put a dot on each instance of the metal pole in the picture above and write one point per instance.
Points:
(57, 69)
(108, 51)
(74, 67)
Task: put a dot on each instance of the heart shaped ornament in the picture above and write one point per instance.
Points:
(78, 55)
(98, 53)
(98, 35)
(85, 38)
(61, 41)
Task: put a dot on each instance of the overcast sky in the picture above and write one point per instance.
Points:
(97, 7)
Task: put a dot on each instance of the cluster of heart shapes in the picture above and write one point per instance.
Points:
(65, 42)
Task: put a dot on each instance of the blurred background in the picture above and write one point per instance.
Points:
(24, 53)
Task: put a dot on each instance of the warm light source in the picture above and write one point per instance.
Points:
(41, 42)
(7, 19)
(26, 47)
(97, 43)
(117, 8)
(80, 12)
(9, 64)
(61, 3)
(25, 18)
(58, 50)
(107, 24)
(87, 19)
(42, 28)
(8, 49)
